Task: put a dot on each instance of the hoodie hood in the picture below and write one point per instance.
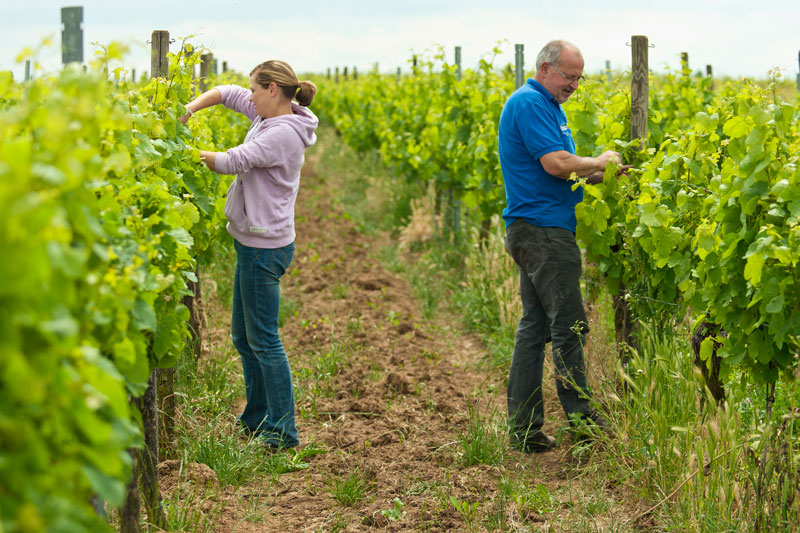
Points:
(302, 120)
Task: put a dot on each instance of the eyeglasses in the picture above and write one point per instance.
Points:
(571, 79)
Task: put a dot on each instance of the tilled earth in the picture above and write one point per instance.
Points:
(387, 394)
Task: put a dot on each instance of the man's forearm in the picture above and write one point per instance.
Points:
(562, 163)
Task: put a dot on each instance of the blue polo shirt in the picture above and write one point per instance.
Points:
(533, 124)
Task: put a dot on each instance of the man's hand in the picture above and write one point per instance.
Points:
(597, 177)
(606, 157)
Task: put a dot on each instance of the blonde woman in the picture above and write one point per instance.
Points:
(260, 213)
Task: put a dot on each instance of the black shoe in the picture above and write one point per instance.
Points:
(536, 443)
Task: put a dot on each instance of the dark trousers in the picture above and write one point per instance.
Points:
(549, 262)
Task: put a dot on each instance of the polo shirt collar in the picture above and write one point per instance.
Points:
(540, 88)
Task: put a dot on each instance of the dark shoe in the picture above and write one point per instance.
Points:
(536, 443)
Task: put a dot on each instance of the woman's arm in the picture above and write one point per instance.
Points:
(209, 98)
(210, 159)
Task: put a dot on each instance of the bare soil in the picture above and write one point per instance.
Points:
(395, 406)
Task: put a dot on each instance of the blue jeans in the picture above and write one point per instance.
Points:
(549, 262)
(269, 412)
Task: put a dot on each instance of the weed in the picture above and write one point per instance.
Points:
(184, 510)
(255, 508)
(483, 442)
(341, 291)
(396, 512)
(235, 461)
(470, 512)
(350, 489)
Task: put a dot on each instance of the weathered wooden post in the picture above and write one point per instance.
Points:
(27, 70)
(224, 67)
(355, 73)
(710, 75)
(329, 73)
(159, 48)
(336, 79)
(640, 91)
(205, 69)
(685, 70)
(608, 71)
(640, 88)
(458, 63)
(71, 35)
(519, 65)
(399, 74)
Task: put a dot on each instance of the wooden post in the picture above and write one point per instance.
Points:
(398, 73)
(148, 457)
(159, 47)
(205, 67)
(519, 65)
(685, 71)
(355, 73)
(133, 75)
(224, 67)
(71, 35)
(329, 72)
(27, 70)
(710, 74)
(336, 79)
(214, 67)
(458, 63)
(608, 71)
(345, 73)
(640, 88)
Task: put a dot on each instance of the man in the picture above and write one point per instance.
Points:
(537, 155)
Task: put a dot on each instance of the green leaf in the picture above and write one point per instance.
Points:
(707, 348)
(111, 490)
(144, 317)
(775, 305)
(736, 127)
(754, 268)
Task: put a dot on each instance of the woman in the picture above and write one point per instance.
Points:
(260, 212)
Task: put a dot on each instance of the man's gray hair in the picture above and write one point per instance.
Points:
(552, 52)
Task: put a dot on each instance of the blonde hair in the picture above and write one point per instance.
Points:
(284, 77)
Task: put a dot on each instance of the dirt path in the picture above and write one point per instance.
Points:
(388, 395)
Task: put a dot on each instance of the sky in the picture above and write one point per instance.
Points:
(738, 38)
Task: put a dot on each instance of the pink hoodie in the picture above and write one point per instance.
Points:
(260, 204)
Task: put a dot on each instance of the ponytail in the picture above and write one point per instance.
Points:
(306, 93)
